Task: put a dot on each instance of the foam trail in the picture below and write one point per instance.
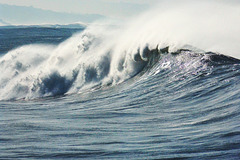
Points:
(106, 55)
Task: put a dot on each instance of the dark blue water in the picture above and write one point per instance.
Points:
(179, 106)
(11, 38)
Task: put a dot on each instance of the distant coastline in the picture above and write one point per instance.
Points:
(18, 15)
(77, 25)
(3, 23)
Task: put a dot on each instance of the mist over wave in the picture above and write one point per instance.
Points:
(164, 85)
(104, 55)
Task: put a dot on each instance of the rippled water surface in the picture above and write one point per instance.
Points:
(182, 106)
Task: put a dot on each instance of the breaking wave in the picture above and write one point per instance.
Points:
(106, 55)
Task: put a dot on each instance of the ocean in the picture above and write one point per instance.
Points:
(96, 93)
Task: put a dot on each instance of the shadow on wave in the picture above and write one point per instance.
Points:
(56, 85)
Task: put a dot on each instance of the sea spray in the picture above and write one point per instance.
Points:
(108, 55)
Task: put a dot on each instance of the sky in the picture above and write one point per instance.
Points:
(109, 8)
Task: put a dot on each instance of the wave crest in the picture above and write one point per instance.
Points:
(108, 55)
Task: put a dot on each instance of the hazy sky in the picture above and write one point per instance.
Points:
(110, 8)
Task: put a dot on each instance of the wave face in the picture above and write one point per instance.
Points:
(104, 55)
(154, 88)
(181, 105)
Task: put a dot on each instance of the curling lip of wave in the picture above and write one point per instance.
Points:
(101, 56)
(54, 84)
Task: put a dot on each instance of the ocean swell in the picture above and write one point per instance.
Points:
(103, 55)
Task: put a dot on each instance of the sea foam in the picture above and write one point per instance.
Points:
(108, 55)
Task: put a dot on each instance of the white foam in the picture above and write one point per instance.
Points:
(106, 54)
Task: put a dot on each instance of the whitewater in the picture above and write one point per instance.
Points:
(160, 85)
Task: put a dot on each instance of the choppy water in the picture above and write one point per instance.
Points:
(13, 37)
(176, 106)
